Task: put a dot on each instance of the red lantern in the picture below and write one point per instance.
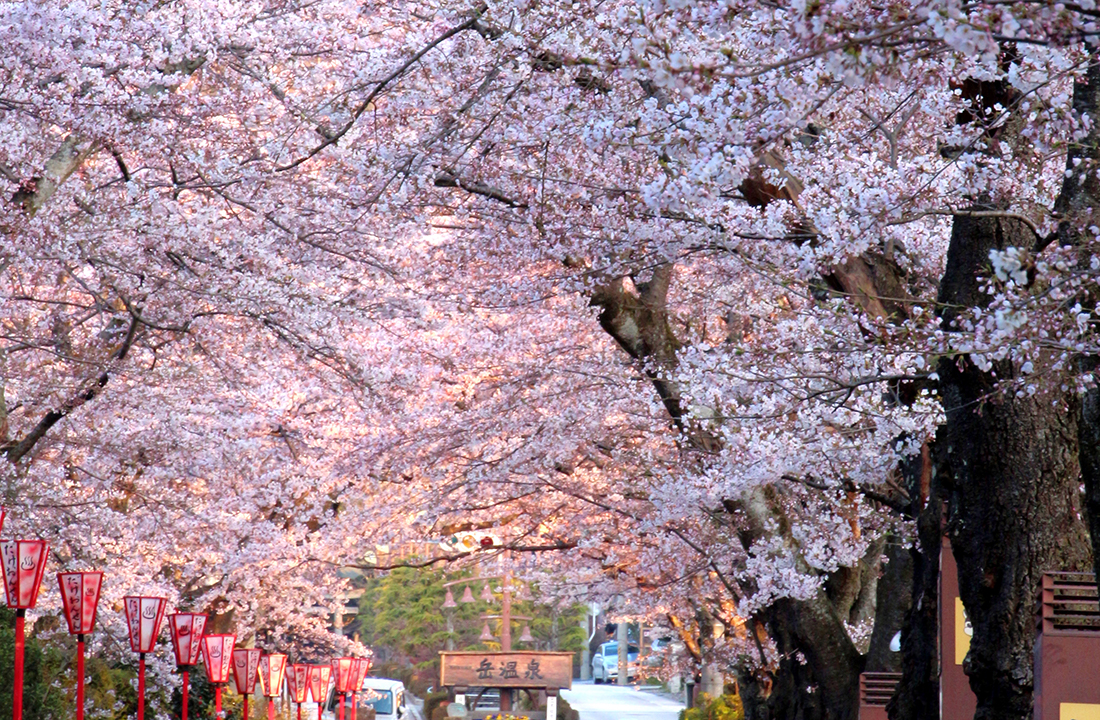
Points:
(272, 668)
(80, 598)
(23, 562)
(187, 630)
(358, 672)
(143, 618)
(246, 663)
(217, 655)
(297, 682)
(343, 669)
(319, 678)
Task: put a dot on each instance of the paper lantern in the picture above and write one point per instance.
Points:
(144, 616)
(80, 599)
(217, 656)
(362, 667)
(342, 670)
(272, 669)
(319, 678)
(24, 562)
(187, 631)
(246, 663)
(297, 682)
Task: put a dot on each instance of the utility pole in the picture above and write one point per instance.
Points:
(620, 636)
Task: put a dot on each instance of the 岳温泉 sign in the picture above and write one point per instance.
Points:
(522, 669)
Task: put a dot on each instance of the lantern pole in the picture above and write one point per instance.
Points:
(218, 701)
(80, 676)
(17, 689)
(79, 600)
(141, 687)
(184, 690)
(144, 616)
(23, 562)
(244, 713)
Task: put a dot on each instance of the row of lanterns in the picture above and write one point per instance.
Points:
(23, 563)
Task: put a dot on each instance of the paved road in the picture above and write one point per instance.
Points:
(611, 702)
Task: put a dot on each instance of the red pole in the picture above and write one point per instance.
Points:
(343, 699)
(244, 713)
(353, 704)
(141, 686)
(270, 709)
(299, 711)
(17, 688)
(79, 677)
(320, 706)
(218, 702)
(183, 707)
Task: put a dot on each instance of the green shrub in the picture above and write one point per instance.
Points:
(723, 707)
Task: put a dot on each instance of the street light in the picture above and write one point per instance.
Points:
(24, 561)
(144, 616)
(297, 684)
(319, 678)
(217, 655)
(272, 668)
(80, 599)
(359, 671)
(246, 665)
(186, 630)
(343, 669)
(505, 617)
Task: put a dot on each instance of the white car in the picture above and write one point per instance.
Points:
(605, 662)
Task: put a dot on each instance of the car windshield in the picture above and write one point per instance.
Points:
(380, 700)
(612, 649)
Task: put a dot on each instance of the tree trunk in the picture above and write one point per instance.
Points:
(918, 693)
(1012, 475)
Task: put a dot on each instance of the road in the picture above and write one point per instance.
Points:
(611, 702)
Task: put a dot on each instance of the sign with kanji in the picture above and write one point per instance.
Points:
(144, 616)
(79, 599)
(24, 561)
(521, 669)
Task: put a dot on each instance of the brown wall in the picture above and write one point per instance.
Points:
(957, 700)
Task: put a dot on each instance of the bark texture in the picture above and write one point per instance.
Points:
(1012, 478)
(917, 694)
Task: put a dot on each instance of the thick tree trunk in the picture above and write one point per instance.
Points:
(1012, 475)
(818, 677)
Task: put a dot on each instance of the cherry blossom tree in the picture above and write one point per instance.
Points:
(712, 304)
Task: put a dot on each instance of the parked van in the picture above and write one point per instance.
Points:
(387, 697)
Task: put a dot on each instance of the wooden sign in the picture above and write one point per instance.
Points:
(521, 669)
